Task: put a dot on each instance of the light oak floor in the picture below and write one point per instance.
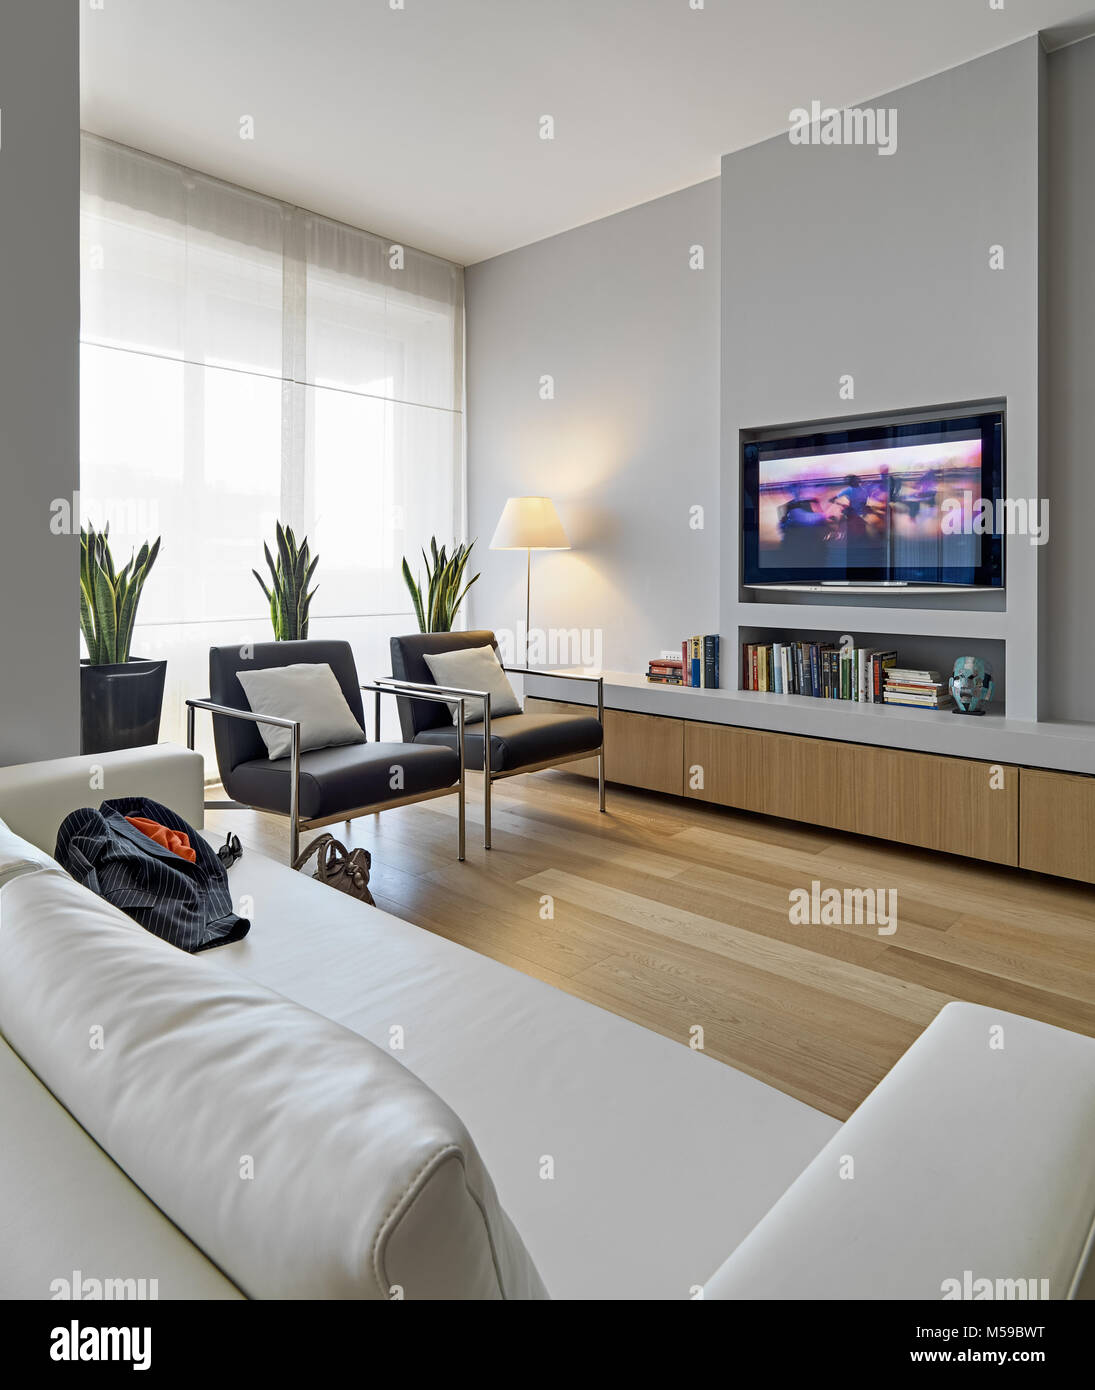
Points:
(676, 915)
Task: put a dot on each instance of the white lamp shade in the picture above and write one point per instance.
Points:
(529, 523)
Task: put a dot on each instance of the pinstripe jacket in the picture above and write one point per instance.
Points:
(189, 905)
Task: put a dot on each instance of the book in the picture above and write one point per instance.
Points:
(862, 667)
(881, 663)
(912, 703)
(711, 661)
(899, 673)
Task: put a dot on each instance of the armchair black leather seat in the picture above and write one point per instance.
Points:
(518, 742)
(322, 785)
(331, 779)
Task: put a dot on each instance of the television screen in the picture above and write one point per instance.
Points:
(887, 503)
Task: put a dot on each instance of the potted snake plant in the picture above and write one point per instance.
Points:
(437, 599)
(121, 696)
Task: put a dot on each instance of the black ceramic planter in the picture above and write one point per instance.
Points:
(120, 705)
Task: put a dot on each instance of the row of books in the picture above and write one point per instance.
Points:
(828, 672)
(698, 665)
(820, 669)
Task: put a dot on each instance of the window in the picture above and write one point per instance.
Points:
(243, 361)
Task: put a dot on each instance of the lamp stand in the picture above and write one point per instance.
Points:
(528, 596)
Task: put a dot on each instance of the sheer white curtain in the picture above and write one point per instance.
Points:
(244, 361)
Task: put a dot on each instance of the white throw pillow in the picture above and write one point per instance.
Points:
(307, 691)
(19, 856)
(475, 668)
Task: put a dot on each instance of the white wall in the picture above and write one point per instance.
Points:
(1071, 377)
(629, 443)
(840, 260)
(39, 328)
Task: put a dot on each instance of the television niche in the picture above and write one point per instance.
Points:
(876, 504)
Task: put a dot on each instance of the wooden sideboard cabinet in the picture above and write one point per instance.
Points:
(1057, 823)
(953, 804)
(996, 812)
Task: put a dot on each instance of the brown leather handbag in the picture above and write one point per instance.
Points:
(344, 869)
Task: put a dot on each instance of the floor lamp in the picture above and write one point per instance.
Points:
(529, 523)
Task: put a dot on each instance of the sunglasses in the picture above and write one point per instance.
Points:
(230, 851)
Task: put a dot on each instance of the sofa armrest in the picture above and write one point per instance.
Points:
(36, 797)
(969, 1162)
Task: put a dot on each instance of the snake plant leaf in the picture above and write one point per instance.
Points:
(106, 559)
(289, 580)
(416, 597)
(463, 591)
(129, 595)
(87, 624)
(87, 598)
(107, 614)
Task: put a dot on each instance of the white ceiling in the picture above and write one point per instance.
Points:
(422, 124)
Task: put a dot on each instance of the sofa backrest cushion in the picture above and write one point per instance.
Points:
(303, 1160)
(238, 740)
(409, 664)
(36, 797)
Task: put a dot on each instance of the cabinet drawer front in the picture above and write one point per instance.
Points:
(951, 804)
(641, 750)
(1057, 824)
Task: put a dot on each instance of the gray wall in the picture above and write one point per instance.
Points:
(39, 330)
(631, 441)
(837, 259)
(1071, 383)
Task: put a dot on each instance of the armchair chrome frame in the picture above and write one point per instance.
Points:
(296, 823)
(489, 775)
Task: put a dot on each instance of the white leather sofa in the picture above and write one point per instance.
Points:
(421, 1121)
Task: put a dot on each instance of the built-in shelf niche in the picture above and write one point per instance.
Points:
(924, 651)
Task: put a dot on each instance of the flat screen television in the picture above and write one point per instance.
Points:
(899, 502)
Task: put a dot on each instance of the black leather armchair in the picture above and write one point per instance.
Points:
(323, 785)
(518, 742)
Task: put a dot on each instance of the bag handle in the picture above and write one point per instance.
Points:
(320, 842)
